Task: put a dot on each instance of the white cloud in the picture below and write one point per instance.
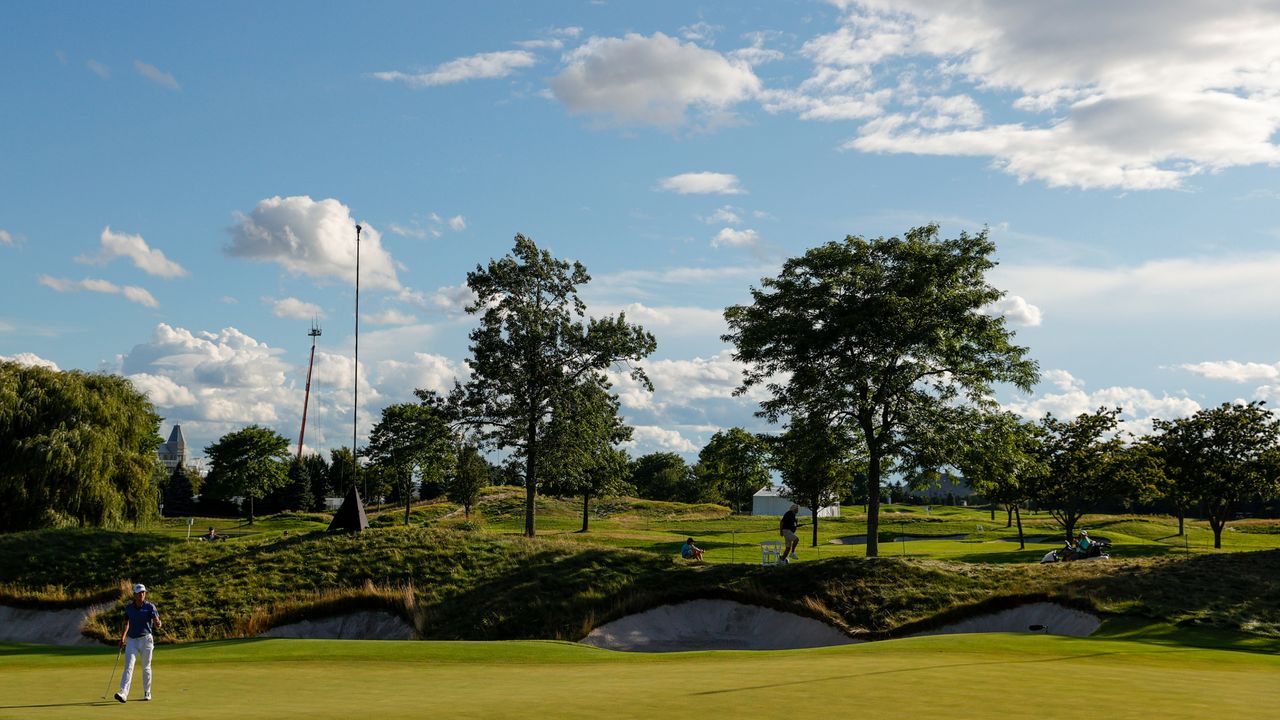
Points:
(98, 69)
(757, 53)
(295, 309)
(312, 237)
(458, 223)
(413, 232)
(654, 80)
(724, 215)
(544, 44)
(1240, 372)
(473, 67)
(30, 360)
(162, 390)
(425, 370)
(735, 238)
(390, 317)
(700, 30)
(98, 285)
(702, 183)
(652, 436)
(570, 31)
(1015, 309)
(1136, 95)
(1186, 287)
(1139, 405)
(156, 75)
(451, 299)
(147, 259)
(7, 238)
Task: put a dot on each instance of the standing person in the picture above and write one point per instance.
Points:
(141, 620)
(787, 529)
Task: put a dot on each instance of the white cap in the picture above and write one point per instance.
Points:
(139, 588)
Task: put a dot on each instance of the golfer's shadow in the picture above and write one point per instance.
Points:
(90, 703)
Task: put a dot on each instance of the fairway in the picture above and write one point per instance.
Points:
(964, 676)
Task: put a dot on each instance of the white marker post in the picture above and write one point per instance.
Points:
(190, 520)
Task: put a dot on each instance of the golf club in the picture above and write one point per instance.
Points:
(111, 679)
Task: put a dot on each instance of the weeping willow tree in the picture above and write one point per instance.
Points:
(76, 448)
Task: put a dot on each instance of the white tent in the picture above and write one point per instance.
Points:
(771, 502)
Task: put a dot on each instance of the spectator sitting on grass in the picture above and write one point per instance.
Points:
(211, 535)
(689, 551)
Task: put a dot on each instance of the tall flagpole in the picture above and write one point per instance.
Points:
(355, 385)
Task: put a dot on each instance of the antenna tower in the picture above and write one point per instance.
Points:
(315, 333)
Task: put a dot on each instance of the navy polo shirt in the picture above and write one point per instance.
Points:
(140, 618)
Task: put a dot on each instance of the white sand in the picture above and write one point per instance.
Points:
(714, 625)
(47, 627)
(363, 625)
(1047, 618)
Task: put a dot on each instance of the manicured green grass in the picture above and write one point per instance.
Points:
(958, 676)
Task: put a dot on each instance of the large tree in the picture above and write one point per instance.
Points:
(75, 449)
(1220, 456)
(999, 461)
(736, 463)
(1084, 464)
(815, 463)
(180, 491)
(533, 348)
(663, 476)
(883, 337)
(248, 463)
(413, 435)
(470, 475)
(582, 455)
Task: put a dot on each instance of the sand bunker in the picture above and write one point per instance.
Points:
(363, 625)
(47, 627)
(714, 625)
(862, 539)
(1042, 617)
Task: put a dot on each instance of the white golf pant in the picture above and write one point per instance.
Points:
(137, 648)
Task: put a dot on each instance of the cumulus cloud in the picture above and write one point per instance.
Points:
(1138, 95)
(702, 183)
(156, 75)
(451, 299)
(1015, 309)
(473, 67)
(424, 370)
(30, 360)
(1140, 406)
(654, 80)
(312, 237)
(7, 238)
(295, 309)
(163, 391)
(458, 223)
(1240, 372)
(724, 215)
(147, 259)
(652, 436)
(735, 238)
(131, 293)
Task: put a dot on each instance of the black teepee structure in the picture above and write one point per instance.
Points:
(351, 515)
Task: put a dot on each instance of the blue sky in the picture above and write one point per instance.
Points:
(179, 184)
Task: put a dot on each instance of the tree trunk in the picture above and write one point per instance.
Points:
(250, 509)
(1008, 515)
(530, 477)
(1182, 516)
(873, 504)
(993, 512)
(1022, 543)
(408, 501)
(586, 507)
(814, 512)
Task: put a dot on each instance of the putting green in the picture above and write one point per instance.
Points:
(959, 676)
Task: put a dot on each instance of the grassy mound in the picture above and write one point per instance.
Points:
(482, 585)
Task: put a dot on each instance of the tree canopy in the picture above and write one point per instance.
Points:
(1220, 456)
(582, 458)
(1082, 465)
(815, 463)
(884, 338)
(78, 449)
(999, 460)
(736, 464)
(413, 435)
(534, 347)
(249, 463)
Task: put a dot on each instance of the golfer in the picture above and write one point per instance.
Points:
(141, 620)
(787, 529)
